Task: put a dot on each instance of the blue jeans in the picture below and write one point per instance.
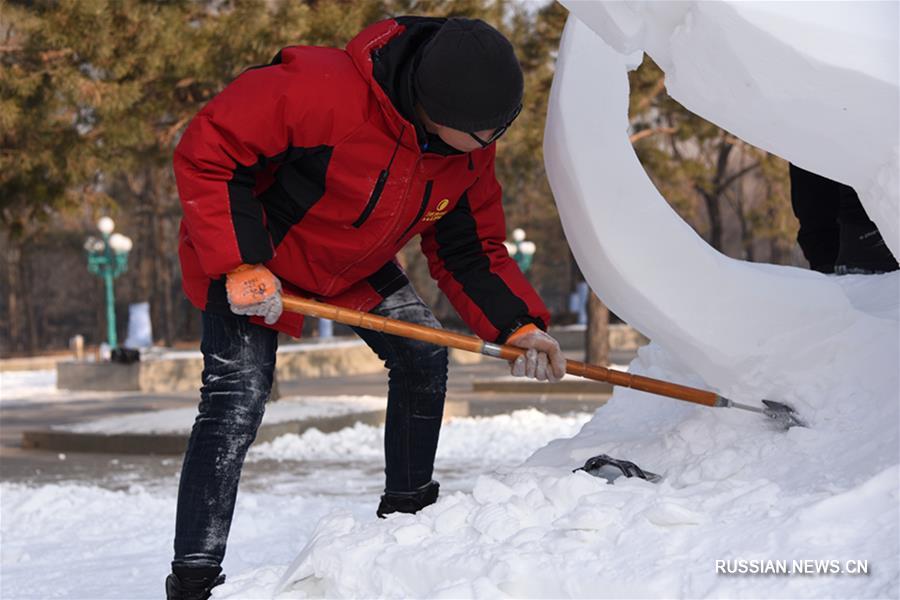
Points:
(238, 367)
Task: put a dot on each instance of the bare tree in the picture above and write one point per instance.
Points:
(597, 333)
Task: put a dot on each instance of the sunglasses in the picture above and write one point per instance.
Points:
(497, 132)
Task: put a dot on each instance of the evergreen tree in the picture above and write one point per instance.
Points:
(94, 95)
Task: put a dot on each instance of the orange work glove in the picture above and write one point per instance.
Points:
(254, 290)
(543, 361)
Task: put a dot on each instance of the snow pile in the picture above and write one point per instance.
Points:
(536, 534)
(734, 489)
(502, 439)
(816, 84)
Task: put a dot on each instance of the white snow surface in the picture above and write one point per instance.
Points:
(80, 541)
(735, 488)
(23, 386)
(38, 387)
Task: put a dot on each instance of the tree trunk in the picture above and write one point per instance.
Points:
(714, 197)
(597, 333)
(13, 260)
(747, 238)
(163, 265)
(715, 220)
(780, 254)
(28, 306)
(140, 262)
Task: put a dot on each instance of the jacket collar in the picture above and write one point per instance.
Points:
(386, 54)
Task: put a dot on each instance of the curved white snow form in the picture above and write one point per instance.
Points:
(813, 82)
(735, 488)
(749, 330)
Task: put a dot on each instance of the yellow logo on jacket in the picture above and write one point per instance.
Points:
(439, 211)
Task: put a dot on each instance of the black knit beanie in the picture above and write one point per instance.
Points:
(468, 77)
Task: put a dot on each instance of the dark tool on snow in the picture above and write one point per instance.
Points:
(610, 469)
(783, 414)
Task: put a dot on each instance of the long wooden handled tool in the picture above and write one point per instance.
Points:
(781, 412)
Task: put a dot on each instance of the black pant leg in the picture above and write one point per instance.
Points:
(417, 386)
(816, 203)
(238, 367)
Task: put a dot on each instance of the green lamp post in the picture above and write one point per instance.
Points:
(107, 257)
(521, 250)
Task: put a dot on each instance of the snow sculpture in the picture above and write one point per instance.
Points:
(823, 94)
(815, 83)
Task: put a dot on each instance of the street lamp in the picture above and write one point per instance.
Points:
(521, 249)
(107, 257)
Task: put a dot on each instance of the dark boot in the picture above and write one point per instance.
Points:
(408, 502)
(863, 251)
(192, 583)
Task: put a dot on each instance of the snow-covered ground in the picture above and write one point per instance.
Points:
(744, 510)
(24, 387)
(736, 489)
(26, 383)
(87, 541)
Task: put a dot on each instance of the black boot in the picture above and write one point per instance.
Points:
(863, 251)
(192, 583)
(408, 502)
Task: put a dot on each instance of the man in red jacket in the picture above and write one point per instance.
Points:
(308, 175)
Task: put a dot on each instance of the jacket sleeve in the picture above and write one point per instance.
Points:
(467, 258)
(257, 120)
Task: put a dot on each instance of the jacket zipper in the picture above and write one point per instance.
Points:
(425, 198)
(379, 187)
(415, 169)
(373, 199)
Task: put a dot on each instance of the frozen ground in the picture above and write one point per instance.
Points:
(112, 538)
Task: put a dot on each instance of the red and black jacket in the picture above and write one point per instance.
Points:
(314, 166)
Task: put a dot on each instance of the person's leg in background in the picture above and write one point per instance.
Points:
(417, 385)
(816, 202)
(863, 250)
(238, 367)
(836, 235)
